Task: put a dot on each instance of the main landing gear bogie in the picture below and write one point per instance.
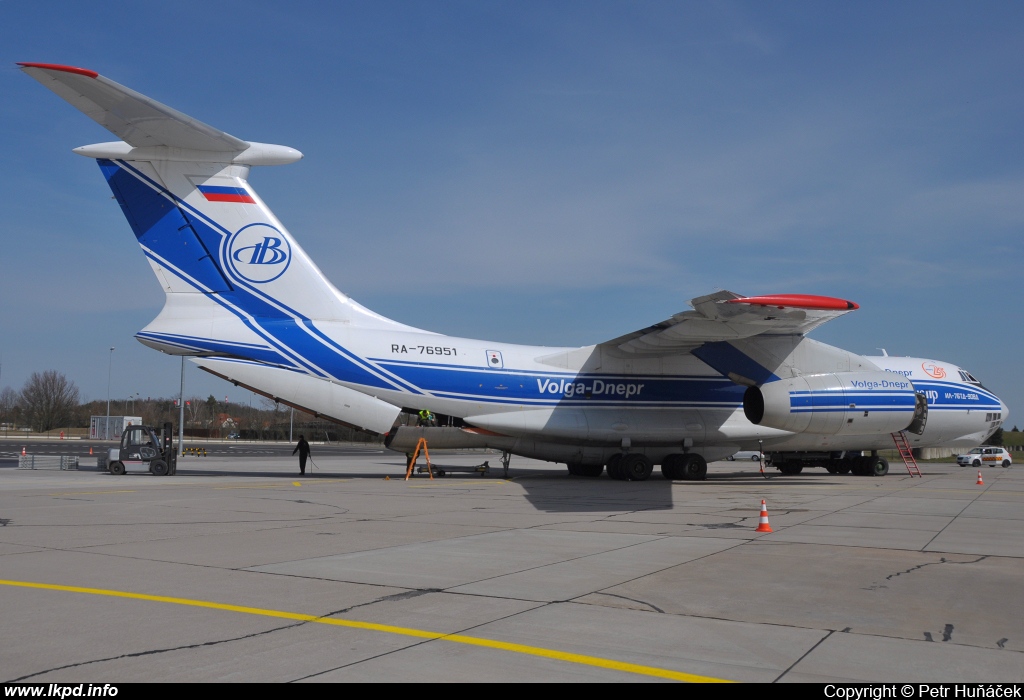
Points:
(870, 466)
(614, 467)
(685, 467)
(629, 467)
(637, 467)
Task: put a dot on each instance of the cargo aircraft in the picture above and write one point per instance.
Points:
(247, 304)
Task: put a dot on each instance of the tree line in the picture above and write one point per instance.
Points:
(50, 401)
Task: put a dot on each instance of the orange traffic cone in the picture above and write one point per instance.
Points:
(23, 454)
(387, 478)
(90, 450)
(762, 523)
(980, 482)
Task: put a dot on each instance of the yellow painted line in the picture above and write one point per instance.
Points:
(263, 486)
(87, 492)
(250, 486)
(458, 483)
(567, 657)
(439, 486)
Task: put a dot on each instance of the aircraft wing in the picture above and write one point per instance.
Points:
(725, 316)
(134, 118)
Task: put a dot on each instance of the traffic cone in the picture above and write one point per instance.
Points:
(387, 478)
(762, 523)
(980, 482)
(23, 454)
(90, 451)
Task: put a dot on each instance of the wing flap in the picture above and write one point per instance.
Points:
(726, 316)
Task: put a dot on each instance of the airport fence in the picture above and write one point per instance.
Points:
(62, 462)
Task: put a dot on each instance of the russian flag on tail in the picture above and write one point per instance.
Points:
(215, 193)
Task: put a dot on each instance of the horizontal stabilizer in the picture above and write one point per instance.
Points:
(134, 118)
(318, 396)
(149, 130)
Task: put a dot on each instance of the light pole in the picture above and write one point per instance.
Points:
(110, 366)
(181, 411)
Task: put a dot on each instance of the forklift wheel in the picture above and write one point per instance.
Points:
(116, 468)
(158, 467)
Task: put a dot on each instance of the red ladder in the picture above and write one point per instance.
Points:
(903, 447)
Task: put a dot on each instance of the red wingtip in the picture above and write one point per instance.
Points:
(799, 301)
(67, 69)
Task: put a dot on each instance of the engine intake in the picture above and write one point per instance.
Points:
(843, 403)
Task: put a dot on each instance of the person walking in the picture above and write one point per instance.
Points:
(303, 449)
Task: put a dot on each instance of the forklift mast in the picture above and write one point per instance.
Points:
(168, 439)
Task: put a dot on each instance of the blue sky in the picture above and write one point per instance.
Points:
(546, 172)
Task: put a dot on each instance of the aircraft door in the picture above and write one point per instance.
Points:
(920, 415)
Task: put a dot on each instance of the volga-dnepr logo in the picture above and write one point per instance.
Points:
(259, 253)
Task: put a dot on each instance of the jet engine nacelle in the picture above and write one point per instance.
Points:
(843, 403)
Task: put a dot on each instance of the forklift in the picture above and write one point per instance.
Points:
(144, 448)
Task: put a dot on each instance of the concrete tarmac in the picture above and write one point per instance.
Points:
(238, 569)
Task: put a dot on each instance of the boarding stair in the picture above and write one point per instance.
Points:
(906, 452)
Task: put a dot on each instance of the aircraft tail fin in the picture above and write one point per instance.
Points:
(183, 187)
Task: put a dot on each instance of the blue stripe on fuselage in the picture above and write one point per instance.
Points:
(263, 355)
(524, 386)
(953, 396)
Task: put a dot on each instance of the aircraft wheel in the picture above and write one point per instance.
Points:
(695, 468)
(843, 467)
(591, 470)
(116, 468)
(615, 467)
(791, 468)
(637, 467)
(574, 469)
(672, 467)
(878, 466)
(831, 468)
(158, 467)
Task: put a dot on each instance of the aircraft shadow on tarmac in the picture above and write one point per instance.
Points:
(546, 490)
(561, 493)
